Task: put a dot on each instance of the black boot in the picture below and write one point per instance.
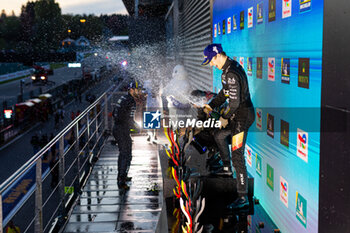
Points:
(122, 183)
(214, 164)
(226, 169)
(240, 203)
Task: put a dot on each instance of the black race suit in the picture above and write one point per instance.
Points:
(123, 122)
(240, 114)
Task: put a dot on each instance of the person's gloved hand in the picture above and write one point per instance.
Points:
(173, 100)
(224, 122)
(207, 109)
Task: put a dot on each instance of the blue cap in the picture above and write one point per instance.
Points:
(133, 85)
(211, 51)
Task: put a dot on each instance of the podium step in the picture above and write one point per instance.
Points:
(103, 207)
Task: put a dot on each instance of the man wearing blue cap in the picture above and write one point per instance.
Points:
(235, 120)
(123, 122)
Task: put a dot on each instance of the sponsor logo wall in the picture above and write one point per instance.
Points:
(284, 133)
(250, 66)
(249, 154)
(271, 68)
(287, 8)
(284, 191)
(259, 67)
(241, 22)
(279, 44)
(229, 25)
(258, 118)
(241, 61)
(258, 166)
(250, 17)
(270, 176)
(270, 125)
(272, 10)
(260, 14)
(285, 70)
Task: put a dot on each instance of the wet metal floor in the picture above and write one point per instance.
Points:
(104, 208)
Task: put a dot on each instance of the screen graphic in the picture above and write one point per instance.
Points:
(279, 44)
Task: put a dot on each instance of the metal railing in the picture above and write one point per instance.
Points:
(67, 159)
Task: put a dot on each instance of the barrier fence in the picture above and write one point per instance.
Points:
(52, 179)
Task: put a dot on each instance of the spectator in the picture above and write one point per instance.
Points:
(57, 119)
(72, 116)
(35, 143)
(123, 122)
(76, 115)
(49, 106)
(46, 112)
(90, 98)
(44, 140)
(79, 95)
(54, 166)
(61, 113)
(76, 95)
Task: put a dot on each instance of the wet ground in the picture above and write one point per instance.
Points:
(103, 207)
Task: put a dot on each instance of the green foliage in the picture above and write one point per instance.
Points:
(117, 23)
(48, 22)
(57, 65)
(42, 27)
(92, 29)
(10, 30)
(27, 18)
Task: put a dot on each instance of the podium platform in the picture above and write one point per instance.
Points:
(103, 207)
(149, 205)
(218, 191)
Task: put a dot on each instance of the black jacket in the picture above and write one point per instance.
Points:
(123, 112)
(235, 89)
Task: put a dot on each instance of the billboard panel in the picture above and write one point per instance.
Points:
(279, 44)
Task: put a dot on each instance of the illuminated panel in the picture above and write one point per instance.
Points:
(279, 44)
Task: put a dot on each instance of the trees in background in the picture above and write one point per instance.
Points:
(9, 30)
(48, 24)
(27, 20)
(41, 27)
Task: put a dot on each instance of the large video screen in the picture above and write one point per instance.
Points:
(279, 44)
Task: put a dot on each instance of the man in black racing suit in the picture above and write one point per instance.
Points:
(123, 123)
(235, 120)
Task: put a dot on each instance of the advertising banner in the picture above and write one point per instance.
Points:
(279, 45)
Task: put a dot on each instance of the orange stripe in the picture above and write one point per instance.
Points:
(237, 147)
